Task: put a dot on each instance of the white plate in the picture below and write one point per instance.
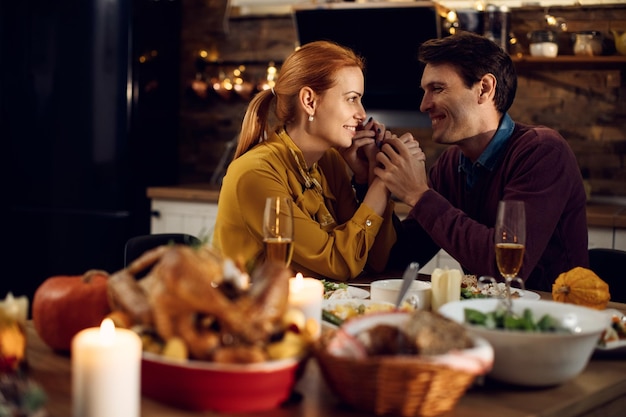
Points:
(527, 295)
(373, 306)
(616, 345)
(530, 295)
(349, 293)
(359, 293)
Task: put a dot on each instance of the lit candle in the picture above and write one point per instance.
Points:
(13, 315)
(306, 295)
(446, 287)
(106, 365)
(15, 307)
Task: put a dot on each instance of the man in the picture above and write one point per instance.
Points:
(469, 84)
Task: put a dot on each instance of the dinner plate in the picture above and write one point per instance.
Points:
(525, 295)
(347, 308)
(613, 346)
(349, 293)
(359, 293)
(530, 295)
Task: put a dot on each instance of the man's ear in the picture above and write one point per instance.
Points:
(487, 87)
(308, 100)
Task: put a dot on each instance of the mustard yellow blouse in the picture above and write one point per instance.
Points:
(333, 234)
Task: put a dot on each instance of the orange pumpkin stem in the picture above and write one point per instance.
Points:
(565, 289)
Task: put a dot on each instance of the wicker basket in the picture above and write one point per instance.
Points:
(398, 385)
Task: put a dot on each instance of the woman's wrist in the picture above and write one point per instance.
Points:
(360, 180)
(360, 188)
(377, 196)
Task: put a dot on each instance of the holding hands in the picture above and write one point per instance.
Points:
(398, 161)
(402, 167)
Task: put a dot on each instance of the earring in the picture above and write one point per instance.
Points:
(311, 117)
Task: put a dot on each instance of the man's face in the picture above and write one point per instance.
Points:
(453, 108)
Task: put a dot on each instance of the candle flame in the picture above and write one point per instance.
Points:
(10, 305)
(107, 330)
(297, 283)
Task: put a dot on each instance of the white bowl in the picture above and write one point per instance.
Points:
(537, 359)
(418, 295)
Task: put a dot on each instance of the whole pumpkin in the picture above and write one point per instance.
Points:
(583, 287)
(65, 305)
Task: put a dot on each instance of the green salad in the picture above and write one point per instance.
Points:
(331, 287)
(501, 319)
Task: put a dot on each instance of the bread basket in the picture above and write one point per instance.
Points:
(404, 385)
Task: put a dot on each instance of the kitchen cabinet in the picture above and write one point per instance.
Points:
(193, 210)
(600, 237)
(607, 237)
(191, 217)
(619, 241)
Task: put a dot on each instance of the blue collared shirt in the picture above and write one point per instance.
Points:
(490, 155)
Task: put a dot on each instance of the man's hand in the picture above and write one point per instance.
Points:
(402, 167)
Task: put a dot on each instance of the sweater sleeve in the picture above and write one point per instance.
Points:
(538, 168)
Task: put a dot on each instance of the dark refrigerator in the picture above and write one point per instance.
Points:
(89, 98)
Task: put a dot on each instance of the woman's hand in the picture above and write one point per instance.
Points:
(361, 155)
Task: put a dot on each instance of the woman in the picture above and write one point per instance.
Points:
(318, 139)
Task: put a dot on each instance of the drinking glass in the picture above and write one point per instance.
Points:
(510, 237)
(278, 230)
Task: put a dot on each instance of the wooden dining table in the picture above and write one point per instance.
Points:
(599, 391)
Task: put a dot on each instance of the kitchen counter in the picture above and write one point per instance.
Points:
(599, 214)
(194, 192)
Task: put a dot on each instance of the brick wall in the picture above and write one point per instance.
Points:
(586, 103)
(209, 122)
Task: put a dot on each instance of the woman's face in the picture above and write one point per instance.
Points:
(340, 110)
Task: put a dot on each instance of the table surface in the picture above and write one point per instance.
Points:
(600, 390)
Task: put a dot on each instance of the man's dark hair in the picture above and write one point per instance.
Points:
(474, 56)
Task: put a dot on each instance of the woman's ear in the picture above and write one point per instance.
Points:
(308, 100)
(487, 87)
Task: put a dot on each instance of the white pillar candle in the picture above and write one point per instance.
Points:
(306, 295)
(15, 307)
(106, 365)
(446, 287)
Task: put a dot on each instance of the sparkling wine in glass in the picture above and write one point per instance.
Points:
(510, 237)
(278, 230)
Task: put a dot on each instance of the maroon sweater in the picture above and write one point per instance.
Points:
(536, 166)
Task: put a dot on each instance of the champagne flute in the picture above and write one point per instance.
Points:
(510, 238)
(278, 230)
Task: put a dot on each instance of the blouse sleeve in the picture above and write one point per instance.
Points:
(340, 252)
(361, 236)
